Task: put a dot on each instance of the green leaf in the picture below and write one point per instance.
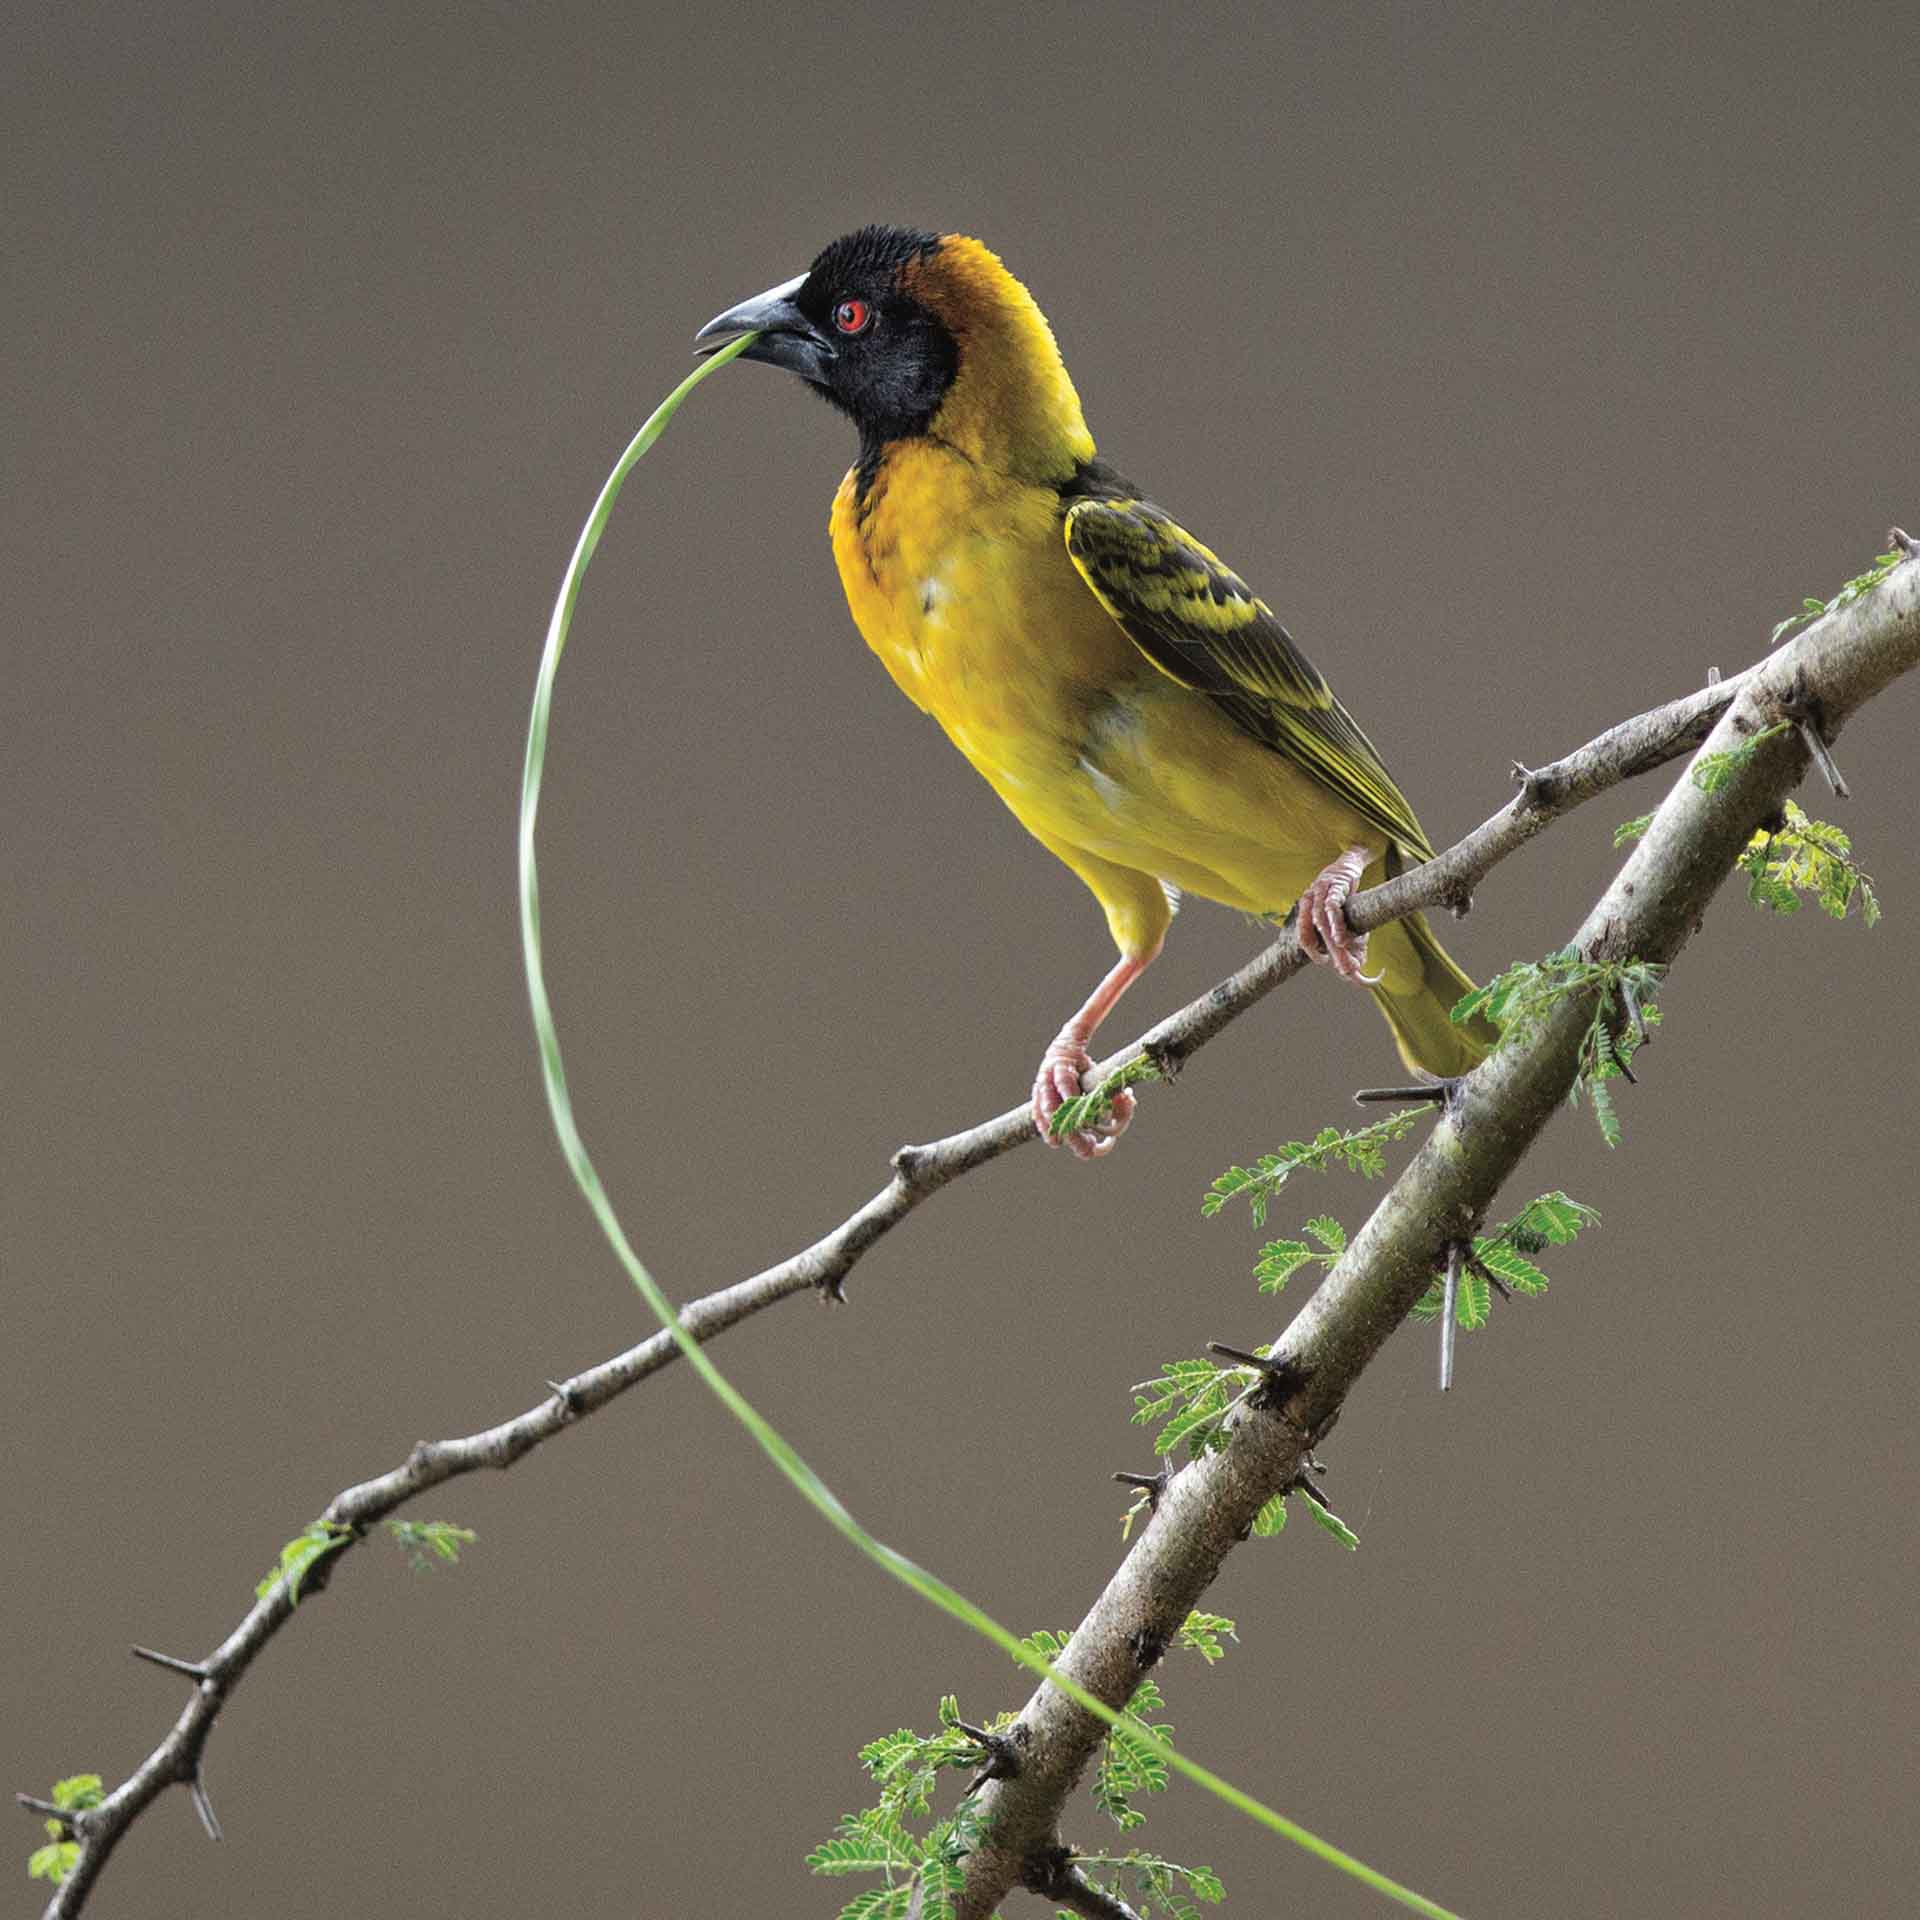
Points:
(1505, 1263)
(1329, 1232)
(1360, 1149)
(301, 1555)
(1713, 771)
(1557, 1219)
(1048, 1645)
(1605, 1113)
(1472, 1301)
(1089, 1109)
(1807, 857)
(425, 1541)
(1279, 1261)
(1201, 1633)
(1630, 830)
(54, 1861)
(1326, 1518)
(1271, 1519)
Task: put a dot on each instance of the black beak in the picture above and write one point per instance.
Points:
(787, 337)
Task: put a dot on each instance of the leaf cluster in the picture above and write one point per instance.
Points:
(1812, 857)
(1132, 1762)
(922, 1871)
(425, 1541)
(1502, 1259)
(1359, 1149)
(1193, 1399)
(916, 1867)
(1800, 855)
(301, 1555)
(1150, 1885)
(1272, 1518)
(1712, 771)
(1861, 584)
(1620, 992)
(61, 1854)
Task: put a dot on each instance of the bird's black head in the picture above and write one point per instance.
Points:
(854, 330)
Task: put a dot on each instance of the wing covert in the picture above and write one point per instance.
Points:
(1198, 622)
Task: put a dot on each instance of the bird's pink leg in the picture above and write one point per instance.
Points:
(1321, 919)
(1065, 1063)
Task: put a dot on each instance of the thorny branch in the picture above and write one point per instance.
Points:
(1840, 661)
(1648, 912)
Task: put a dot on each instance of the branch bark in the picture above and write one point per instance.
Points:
(1650, 910)
(1360, 1302)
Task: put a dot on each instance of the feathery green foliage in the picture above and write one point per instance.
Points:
(301, 1555)
(1859, 585)
(1714, 770)
(1193, 1399)
(425, 1541)
(1502, 1258)
(1201, 1633)
(1807, 856)
(1151, 1885)
(1621, 994)
(1092, 1108)
(1359, 1149)
(922, 1870)
(1800, 855)
(60, 1855)
(1280, 1260)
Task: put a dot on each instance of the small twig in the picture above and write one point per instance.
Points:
(69, 1817)
(197, 1791)
(193, 1669)
(1428, 1093)
(1153, 1485)
(1804, 712)
(1281, 1378)
(1055, 1877)
(1536, 787)
(1002, 1751)
(1641, 1035)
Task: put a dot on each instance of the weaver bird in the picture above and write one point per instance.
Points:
(1147, 718)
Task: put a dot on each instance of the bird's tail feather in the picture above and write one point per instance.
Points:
(1427, 1037)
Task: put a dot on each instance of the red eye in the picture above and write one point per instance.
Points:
(852, 316)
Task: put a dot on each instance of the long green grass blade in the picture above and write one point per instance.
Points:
(774, 1445)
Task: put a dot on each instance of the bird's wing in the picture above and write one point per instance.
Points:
(1202, 626)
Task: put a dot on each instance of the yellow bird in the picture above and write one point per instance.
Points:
(1144, 715)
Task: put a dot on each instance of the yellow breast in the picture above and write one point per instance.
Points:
(960, 580)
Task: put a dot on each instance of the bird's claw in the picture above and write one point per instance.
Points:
(1321, 921)
(1064, 1069)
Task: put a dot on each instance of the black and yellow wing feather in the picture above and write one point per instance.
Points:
(1202, 626)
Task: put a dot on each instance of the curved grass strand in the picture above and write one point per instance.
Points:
(772, 1443)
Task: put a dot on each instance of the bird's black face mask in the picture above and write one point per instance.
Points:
(852, 332)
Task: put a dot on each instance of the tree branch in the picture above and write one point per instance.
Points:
(1648, 912)
(1632, 747)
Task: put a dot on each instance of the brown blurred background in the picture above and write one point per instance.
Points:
(1530, 366)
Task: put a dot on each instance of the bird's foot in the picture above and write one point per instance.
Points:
(1321, 920)
(1064, 1070)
